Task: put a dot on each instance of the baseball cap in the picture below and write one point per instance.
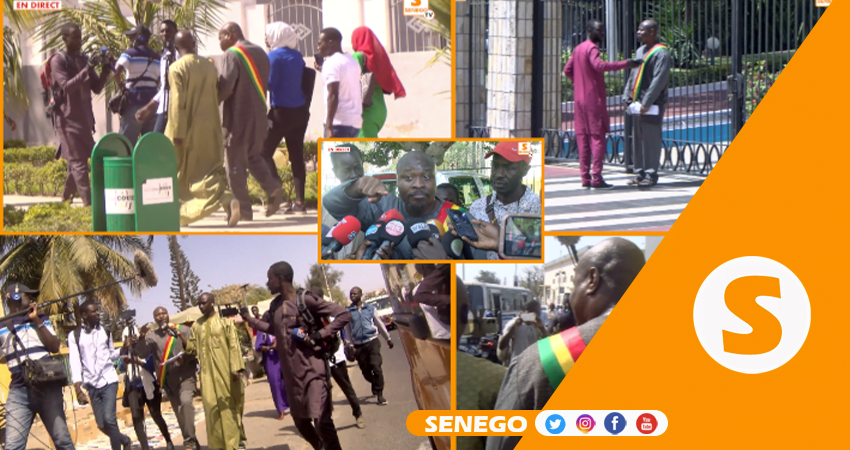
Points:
(138, 29)
(510, 151)
(14, 291)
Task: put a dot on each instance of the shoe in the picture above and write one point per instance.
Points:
(169, 446)
(191, 444)
(585, 185)
(127, 445)
(381, 400)
(275, 200)
(242, 446)
(635, 180)
(233, 214)
(646, 183)
(361, 423)
(295, 209)
(602, 185)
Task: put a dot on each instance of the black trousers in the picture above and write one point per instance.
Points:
(289, 124)
(340, 374)
(137, 400)
(321, 434)
(368, 357)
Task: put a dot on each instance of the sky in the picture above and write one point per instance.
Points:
(552, 251)
(220, 260)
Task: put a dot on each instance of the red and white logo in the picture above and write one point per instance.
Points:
(524, 149)
(37, 6)
(394, 228)
(339, 149)
(646, 423)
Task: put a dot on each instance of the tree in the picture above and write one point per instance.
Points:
(232, 294)
(328, 278)
(15, 96)
(184, 282)
(62, 265)
(485, 276)
(533, 280)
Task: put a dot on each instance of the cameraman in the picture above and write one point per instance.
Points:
(73, 81)
(305, 370)
(92, 358)
(140, 64)
(36, 334)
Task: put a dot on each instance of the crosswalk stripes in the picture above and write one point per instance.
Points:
(569, 207)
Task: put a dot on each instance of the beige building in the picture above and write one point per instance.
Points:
(425, 112)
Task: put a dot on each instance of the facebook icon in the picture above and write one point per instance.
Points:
(615, 423)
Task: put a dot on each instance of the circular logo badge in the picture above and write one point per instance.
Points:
(646, 423)
(615, 423)
(395, 228)
(555, 424)
(585, 423)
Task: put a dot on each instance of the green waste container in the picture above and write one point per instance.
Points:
(118, 192)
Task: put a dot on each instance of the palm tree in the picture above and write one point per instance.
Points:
(62, 265)
(14, 91)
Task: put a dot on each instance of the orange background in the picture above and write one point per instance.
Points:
(776, 194)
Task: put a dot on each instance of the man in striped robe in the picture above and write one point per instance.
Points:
(602, 276)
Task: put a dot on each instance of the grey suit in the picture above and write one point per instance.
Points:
(646, 130)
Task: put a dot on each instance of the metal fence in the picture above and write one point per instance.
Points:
(478, 19)
(305, 17)
(410, 34)
(726, 56)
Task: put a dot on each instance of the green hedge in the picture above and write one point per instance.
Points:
(14, 143)
(48, 217)
(38, 156)
(27, 179)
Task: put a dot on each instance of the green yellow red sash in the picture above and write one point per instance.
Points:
(443, 215)
(166, 355)
(558, 353)
(652, 52)
(246, 59)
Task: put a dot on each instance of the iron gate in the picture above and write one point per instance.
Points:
(304, 16)
(410, 34)
(726, 55)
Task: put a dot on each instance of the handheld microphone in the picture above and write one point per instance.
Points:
(327, 238)
(440, 228)
(453, 246)
(391, 233)
(418, 232)
(343, 233)
(374, 238)
(392, 214)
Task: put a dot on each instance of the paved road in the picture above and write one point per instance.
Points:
(385, 425)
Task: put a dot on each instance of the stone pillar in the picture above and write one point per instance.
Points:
(509, 69)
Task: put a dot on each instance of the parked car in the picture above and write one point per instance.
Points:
(471, 185)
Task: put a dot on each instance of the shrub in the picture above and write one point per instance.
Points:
(37, 156)
(14, 143)
(12, 216)
(54, 217)
(27, 179)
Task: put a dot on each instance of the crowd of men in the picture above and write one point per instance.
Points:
(531, 370)
(420, 200)
(170, 359)
(178, 93)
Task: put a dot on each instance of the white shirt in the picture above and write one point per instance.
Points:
(95, 366)
(161, 97)
(439, 329)
(343, 68)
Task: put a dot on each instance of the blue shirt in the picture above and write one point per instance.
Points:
(362, 327)
(286, 71)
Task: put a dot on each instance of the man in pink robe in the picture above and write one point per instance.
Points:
(585, 68)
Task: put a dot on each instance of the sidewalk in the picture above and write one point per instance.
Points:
(215, 223)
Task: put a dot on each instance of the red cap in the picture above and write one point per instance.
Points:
(346, 229)
(510, 151)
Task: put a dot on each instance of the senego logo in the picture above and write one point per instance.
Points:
(752, 314)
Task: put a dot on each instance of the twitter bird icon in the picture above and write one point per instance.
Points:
(555, 424)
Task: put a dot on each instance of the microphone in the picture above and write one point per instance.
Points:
(454, 246)
(392, 214)
(144, 268)
(418, 232)
(391, 233)
(374, 238)
(343, 233)
(327, 239)
(440, 228)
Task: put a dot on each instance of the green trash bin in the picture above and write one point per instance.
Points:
(118, 192)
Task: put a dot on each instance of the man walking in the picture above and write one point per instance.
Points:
(177, 378)
(242, 88)
(342, 93)
(92, 358)
(141, 65)
(215, 343)
(73, 82)
(647, 87)
(194, 128)
(30, 337)
(304, 367)
(586, 70)
(159, 104)
(363, 333)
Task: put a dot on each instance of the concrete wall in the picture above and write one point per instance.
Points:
(425, 112)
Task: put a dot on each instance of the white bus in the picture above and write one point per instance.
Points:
(384, 310)
(501, 303)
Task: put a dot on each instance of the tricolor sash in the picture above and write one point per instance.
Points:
(558, 353)
(443, 215)
(652, 52)
(166, 355)
(251, 67)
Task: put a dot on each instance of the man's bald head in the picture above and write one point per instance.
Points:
(602, 276)
(647, 32)
(185, 42)
(229, 34)
(417, 183)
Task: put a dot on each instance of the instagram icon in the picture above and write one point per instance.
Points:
(585, 423)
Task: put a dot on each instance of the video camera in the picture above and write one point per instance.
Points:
(127, 317)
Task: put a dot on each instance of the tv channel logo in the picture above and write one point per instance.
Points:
(752, 314)
(585, 423)
(615, 423)
(646, 423)
(555, 424)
